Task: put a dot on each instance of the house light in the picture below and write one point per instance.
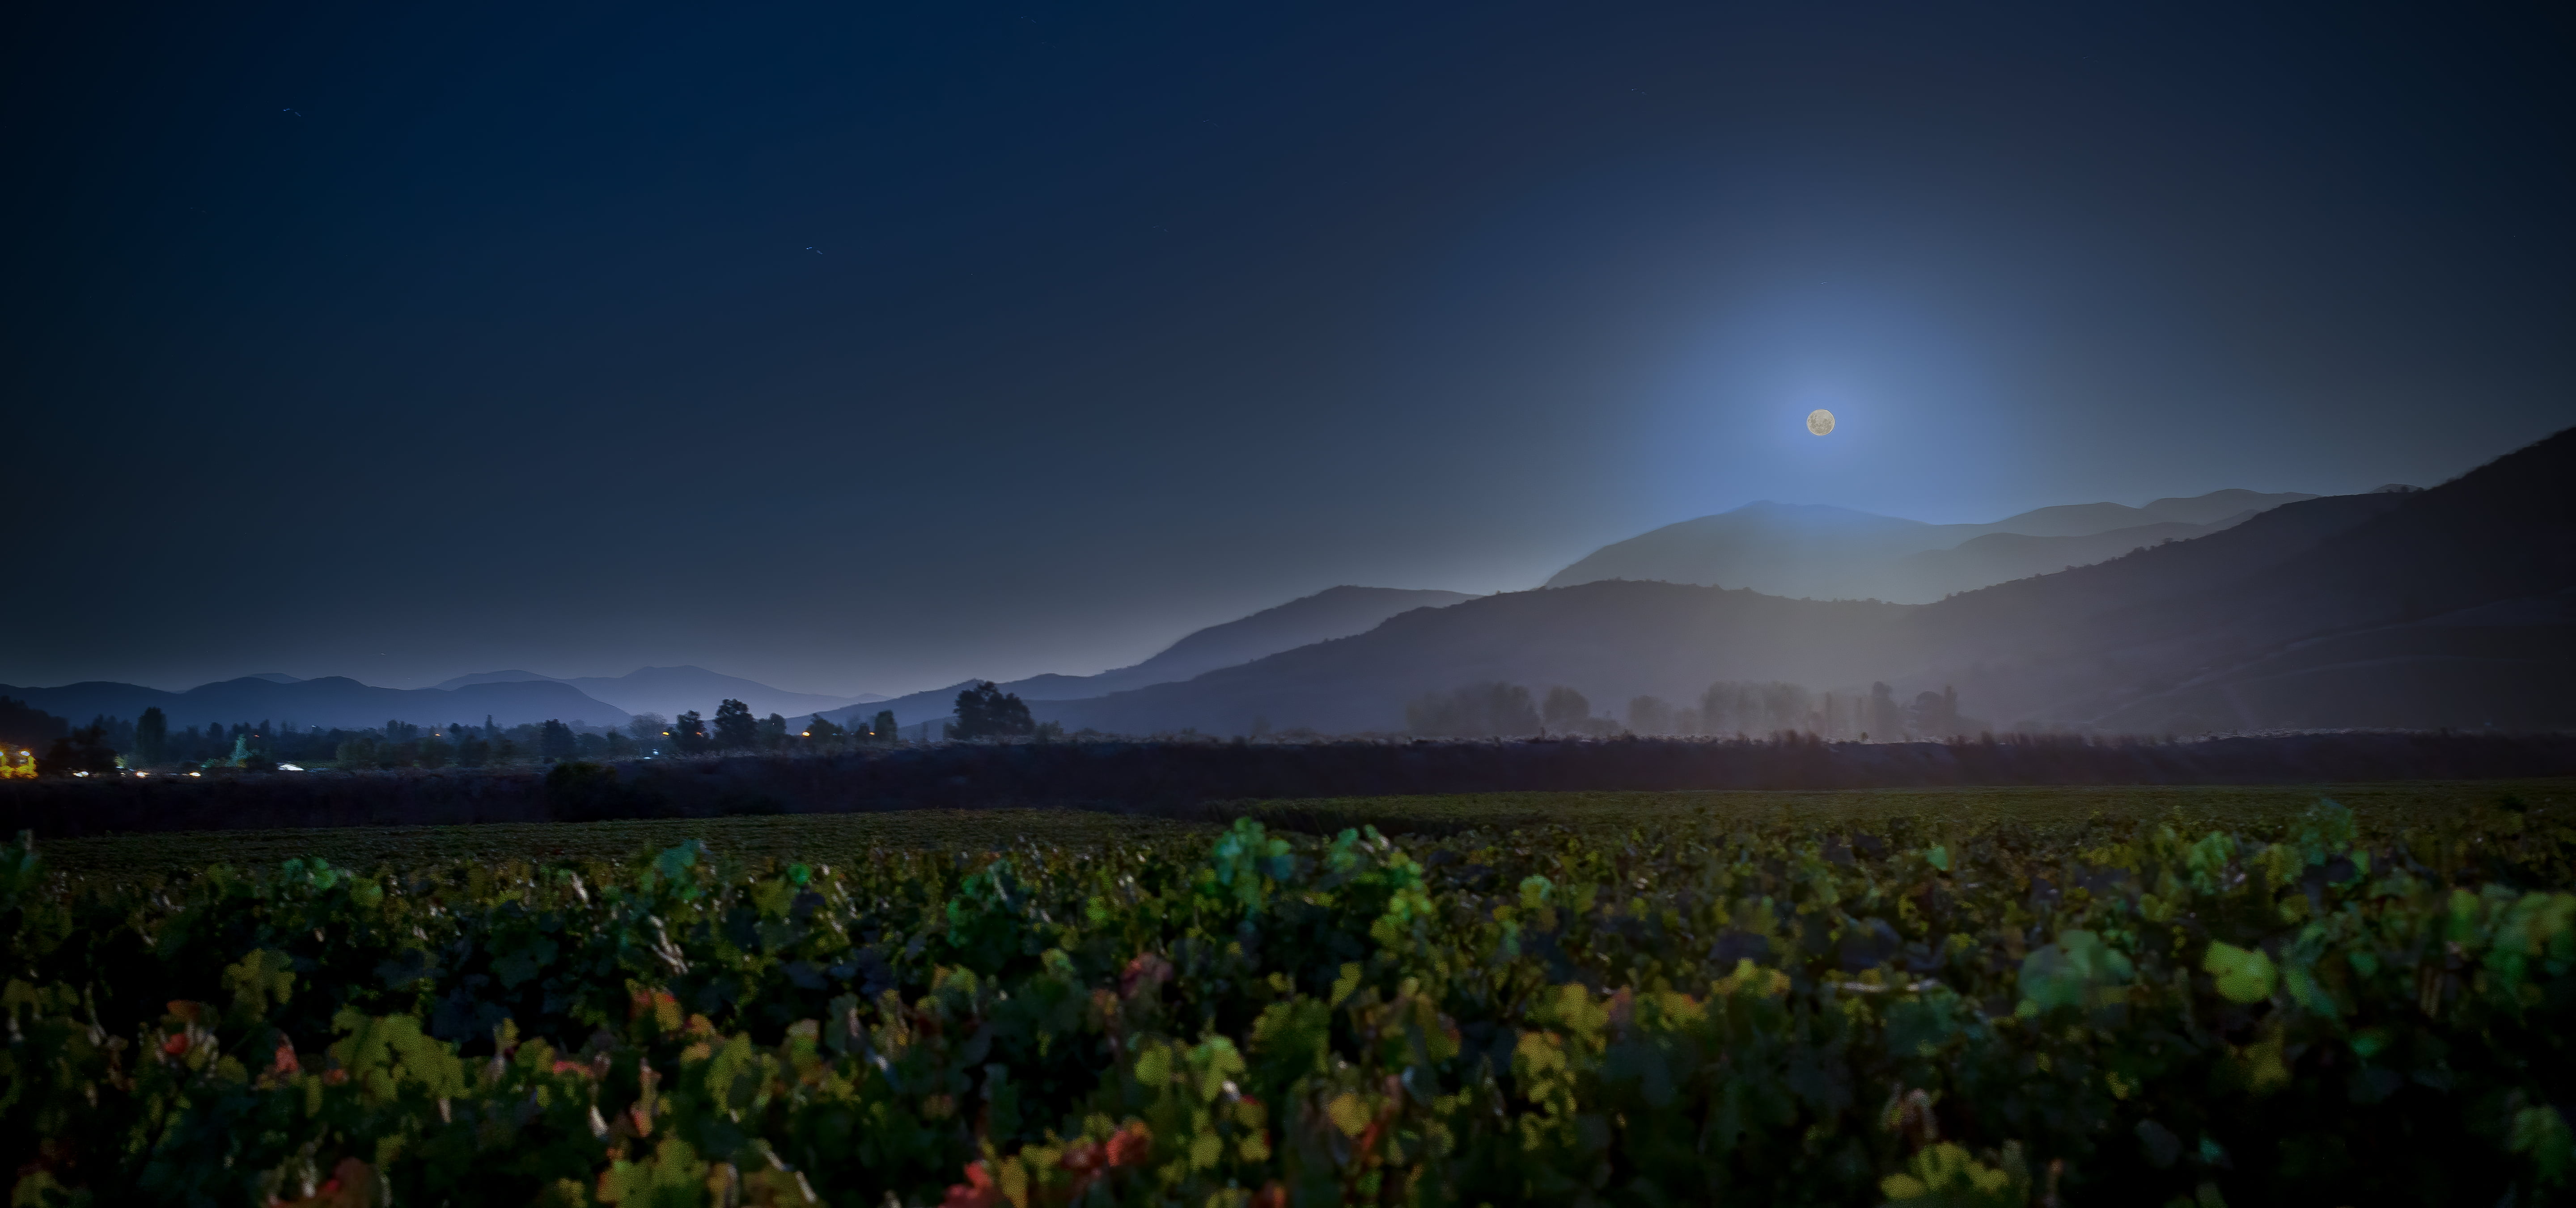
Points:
(196, 773)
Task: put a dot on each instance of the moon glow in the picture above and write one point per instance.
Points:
(1820, 421)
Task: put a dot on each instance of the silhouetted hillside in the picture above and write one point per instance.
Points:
(2003, 557)
(326, 702)
(1612, 640)
(23, 728)
(2440, 607)
(1830, 553)
(1336, 612)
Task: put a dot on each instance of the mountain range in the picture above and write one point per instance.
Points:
(671, 691)
(329, 702)
(2229, 611)
(2449, 607)
(1831, 553)
(519, 697)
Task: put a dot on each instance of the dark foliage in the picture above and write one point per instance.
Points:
(29, 729)
(1936, 1014)
(736, 729)
(82, 752)
(689, 734)
(985, 711)
(151, 738)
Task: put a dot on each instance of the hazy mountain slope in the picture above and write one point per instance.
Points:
(1331, 613)
(2436, 607)
(327, 702)
(1611, 640)
(674, 690)
(491, 677)
(2002, 557)
(671, 691)
(1335, 612)
(2086, 519)
(1836, 553)
(1776, 548)
(2217, 505)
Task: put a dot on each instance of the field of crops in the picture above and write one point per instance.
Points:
(829, 838)
(2390, 806)
(814, 838)
(1972, 997)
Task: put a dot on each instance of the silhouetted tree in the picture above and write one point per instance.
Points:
(824, 732)
(773, 732)
(152, 738)
(1934, 714)
(985, 711)
(555, 741)
(1566, 710)
(82, 750)
(882, 729)
(1884, 719)
(29, 729)
(689, 733)
(1475, 711)
(735, 728)
(1756, 708)
(1650, 715)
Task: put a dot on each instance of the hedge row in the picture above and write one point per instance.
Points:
(1184, 778)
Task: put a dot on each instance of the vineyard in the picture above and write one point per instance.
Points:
(2321, 1005)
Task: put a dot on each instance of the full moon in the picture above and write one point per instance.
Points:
(1820, 421)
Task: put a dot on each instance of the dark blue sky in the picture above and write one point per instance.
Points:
(405, 343)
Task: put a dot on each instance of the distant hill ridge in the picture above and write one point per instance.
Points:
(331, 701)
(670, 691)
(1331, 613)
(1821, 552)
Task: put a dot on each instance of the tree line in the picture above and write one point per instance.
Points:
(1727, 709)
(38, 743)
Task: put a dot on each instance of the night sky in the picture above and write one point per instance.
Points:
(869, 347)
